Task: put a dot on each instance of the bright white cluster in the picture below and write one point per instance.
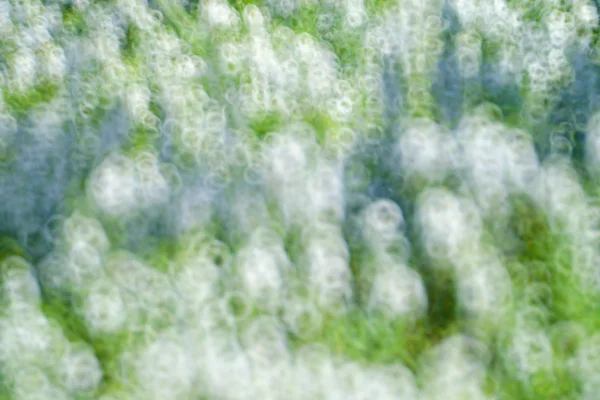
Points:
(455, 369)
(19, 286)
(80, 370)
(327, 259)
(261, 274)
(287, 159)
(382, 225)
(562, 195)
(113, 186)
(530, 351)
(103, 308)
(426, 150)
(164, 369)
(308, 188)
(326, 191)
(496, 160)
(120, 185)
(484, 286)
(23, 68)
(449, 224)
(197, 283)
(398, 290)
(34, 344)
(219, 13)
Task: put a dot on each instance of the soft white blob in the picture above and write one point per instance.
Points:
(253, 18)
(561, 28)
(394, 381)
(521, 162)
(197, 283)
(398, 291)
(331, 280)
(54, 271)
(561, 196)
(26, 337)
(261, 275)
(144, 286)
(530, 351)
(164, 369)
(19, 287)
(6, 25)
(286, 158)
(484, 285)
(314, 371)
(382, 223)
(224, 371)
(151, 185)
(84, 264)
(113, 186)
(54, 62)
(448, 223)
(24, 66)
(454, 369)
(326, 192)
(80, 370)
(33, 384)
(585, 13)
(220, 14)
(137, 98)
(103, 308)
(484, 153)
(425, 149)
(265, 344)
(328, 272)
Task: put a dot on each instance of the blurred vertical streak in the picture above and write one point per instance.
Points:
(447, 85)
(392, 89)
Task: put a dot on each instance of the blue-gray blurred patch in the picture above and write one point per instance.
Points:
(447, 85)
(576, 103)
